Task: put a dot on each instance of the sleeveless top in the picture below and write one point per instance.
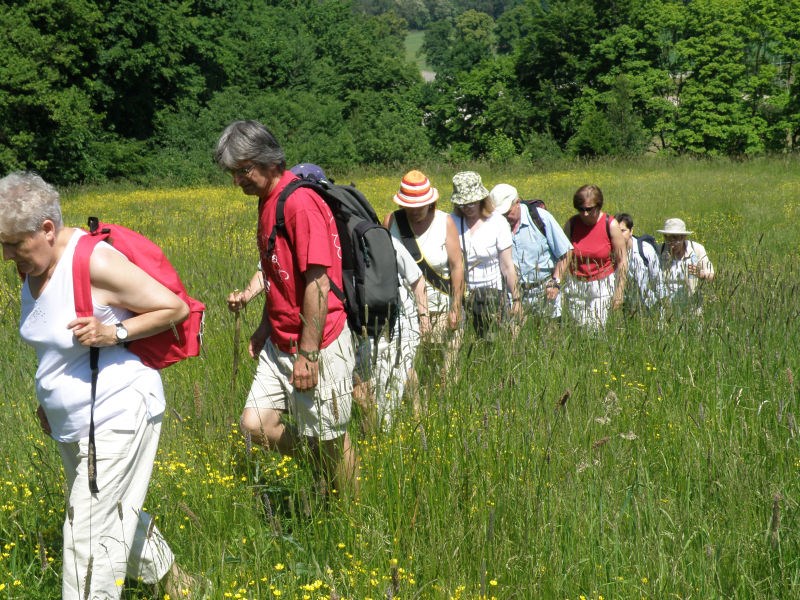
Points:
(432, 244)
(591, 255)
(63, 377)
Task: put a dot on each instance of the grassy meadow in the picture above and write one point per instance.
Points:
(414, 41)
(656, 460)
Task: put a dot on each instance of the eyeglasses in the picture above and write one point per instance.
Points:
(243, 171)
(470, 205)
(586, 209)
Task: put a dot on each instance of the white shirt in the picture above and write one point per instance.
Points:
(483, 246)
(648, 277)
(409, 273)
(433, 246)
(63, 377)
(678, 283)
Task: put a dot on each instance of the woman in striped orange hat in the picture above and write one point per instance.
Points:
(430, 236)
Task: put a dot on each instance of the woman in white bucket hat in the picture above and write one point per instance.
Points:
(684, 263)
(486, 242)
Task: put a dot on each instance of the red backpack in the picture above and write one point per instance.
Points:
(162, 349)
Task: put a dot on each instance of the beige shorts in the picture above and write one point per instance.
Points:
(322, 412)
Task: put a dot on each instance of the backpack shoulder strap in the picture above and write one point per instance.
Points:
(81, 280)
(280, 218)
(280, 221)
(407, 236)
(608, 226)
(537, 219)
(535, 216)
(640, 244)
(571, 224)
(409, 241)
(82, 293)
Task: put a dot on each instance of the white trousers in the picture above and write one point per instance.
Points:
(107, 536)
(590, 301)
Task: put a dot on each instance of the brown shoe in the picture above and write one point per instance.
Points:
(178, 584)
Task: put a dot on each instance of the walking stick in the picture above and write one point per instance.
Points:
(237, 338)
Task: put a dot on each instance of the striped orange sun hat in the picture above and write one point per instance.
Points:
(416, 190)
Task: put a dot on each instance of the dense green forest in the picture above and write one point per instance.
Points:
(139, 90)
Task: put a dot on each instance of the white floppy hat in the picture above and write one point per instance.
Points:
(674, 227)
(467, 188)
(503, 196)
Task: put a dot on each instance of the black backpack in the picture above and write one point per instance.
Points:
(371, 293)
(641, 241)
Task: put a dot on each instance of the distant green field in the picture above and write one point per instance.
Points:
(414, 41)
(660, 459)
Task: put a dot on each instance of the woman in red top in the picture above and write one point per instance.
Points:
(599, 260)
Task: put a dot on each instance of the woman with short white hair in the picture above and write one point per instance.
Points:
(107, 536)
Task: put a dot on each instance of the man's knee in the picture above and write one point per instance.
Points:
(263, 426)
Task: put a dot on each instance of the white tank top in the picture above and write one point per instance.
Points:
(432, 244)
(63, 378)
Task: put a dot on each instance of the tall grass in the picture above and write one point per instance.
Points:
(657, 459)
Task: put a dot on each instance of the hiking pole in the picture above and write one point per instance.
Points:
(237, 338)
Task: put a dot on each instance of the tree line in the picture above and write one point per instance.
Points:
(137, 90)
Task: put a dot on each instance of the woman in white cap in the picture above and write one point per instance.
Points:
(486, 242)
(431, 238)
(684, 263)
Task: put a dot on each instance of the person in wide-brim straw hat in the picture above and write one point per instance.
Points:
(675, 227)
(684, 263)
(432, 239)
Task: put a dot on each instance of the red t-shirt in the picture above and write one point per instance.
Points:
(310, 238)
(591, 255)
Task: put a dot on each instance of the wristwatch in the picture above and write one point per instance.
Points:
(122, 333)
(310, 355)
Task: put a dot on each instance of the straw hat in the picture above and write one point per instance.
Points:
(468, 188)
(415, 190)
(503, 196)
(674, 227)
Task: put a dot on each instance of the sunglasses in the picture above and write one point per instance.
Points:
(586, 209)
